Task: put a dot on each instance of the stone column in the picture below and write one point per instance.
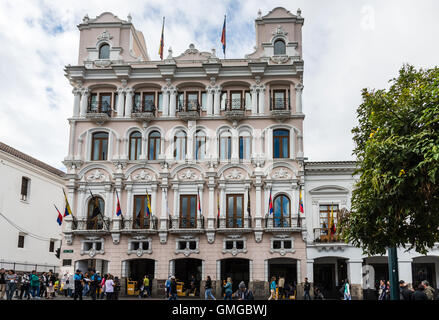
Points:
(211, 214)
(78, 155)
(235, 146)
(254, 100)
(84, 102)
(72, 138)
(175, 206)
(258, 213)
(299, 145)
(120, 102)
(172, 102)
(216, 100)
(209, 100)
(222, 205)
(355, 276)
(299, 88)
(129, 102)
(262, 99)
(165, 93)
(76, 101)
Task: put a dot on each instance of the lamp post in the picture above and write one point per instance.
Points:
(393, 273)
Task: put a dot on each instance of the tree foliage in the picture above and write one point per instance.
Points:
(395, 201)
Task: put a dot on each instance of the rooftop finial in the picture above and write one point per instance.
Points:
(259, 14)
(169, 53)
(299, 12)
(129, 17)
(85, 19)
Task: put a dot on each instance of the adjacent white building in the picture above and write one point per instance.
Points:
(29, 232)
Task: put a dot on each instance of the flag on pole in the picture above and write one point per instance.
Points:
(223, 37)
(332, 225)
(270, 205)
(248, 204)
(199, 203)
(59, 219)
(300, 201)
(118, 210)
(162, 40)
(148, 205)
(67, 210)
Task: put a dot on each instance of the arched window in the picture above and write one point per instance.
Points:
(281, 143)
(153, 145)
(135, 145)
(180, 144)
(225, 147)
(104, 51)
(200, 145)
(99, 148)
(282, 211)
(279, 47)
(244, 145)
(95, 213)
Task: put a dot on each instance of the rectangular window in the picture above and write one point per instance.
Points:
(25, 182)
(21, 241)
(137, 102)
(204, 101)
(141, 218)
(180, 101)
(148, 102)
(244, 148)
(67, 262)
(93, 102)
(181, 245)
(99, 146)
(135, 246)
(225, 148)
(236, 100)
(188, 211)
(52, 246)
(105, 102)
(279, 100)
(277, 244)
(325, 218)
(234, 210)
(287, 244)
(229, 245)
(192, 245)
(160, 106)
(240, 245)
(281, 142)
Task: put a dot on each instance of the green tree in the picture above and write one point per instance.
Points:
(396, 199)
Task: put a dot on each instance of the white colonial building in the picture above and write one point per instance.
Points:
(29, 232)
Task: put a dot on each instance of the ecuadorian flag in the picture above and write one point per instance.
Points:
(148, 205)
(59, 219)
(223, 36)
(270, 205)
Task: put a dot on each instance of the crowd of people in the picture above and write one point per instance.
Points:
(47, 285)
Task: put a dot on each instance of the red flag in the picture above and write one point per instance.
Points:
(223, 36)
(59, 219)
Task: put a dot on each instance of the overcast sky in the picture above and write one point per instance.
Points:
(348, 45)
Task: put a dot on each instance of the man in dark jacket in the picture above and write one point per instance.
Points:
(173, 289)
(306, 289)
(94, 284)
(419, 294)
(243, 293)
(404, 292)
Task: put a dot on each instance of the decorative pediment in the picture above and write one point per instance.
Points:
(279, 31)
(194, 54)
(97, 176)
(105, 36)
(282, 173)
(234, 174)
(143, 175)
(188, 174)
(279, 12)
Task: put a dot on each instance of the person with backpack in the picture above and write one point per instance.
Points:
(168, 287)
(43, 285)
(116, 288)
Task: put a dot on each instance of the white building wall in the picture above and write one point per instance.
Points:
(37, 215)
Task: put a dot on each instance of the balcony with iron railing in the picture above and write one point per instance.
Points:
(281, 224)
(144, 111)
(234, 109)
(100, 111)
(188, 109)
(186, 224)
(280, 108)
(324, 235)
(239, 225)
(87, 225)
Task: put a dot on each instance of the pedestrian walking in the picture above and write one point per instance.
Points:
(382, 290)
(94, 284)
(419, 294)
(50, 284)
(34, 285)
(347, 291)
(2, 283)
(104, 278)
(306, 289)
(168, 287)
(109, 287)
(429, 291)
(43, 282)
(11, 284)
(173, 289)
(272, 289)
(208, 289)
(77, 278)
(404, 292)
(116, 288)
(145, 287)
(228, 289)
(25, 286)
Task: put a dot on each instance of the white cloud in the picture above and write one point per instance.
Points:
(348, 45)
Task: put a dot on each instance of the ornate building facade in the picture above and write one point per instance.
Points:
(193, 147)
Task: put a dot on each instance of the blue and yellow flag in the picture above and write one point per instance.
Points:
(148, 205)
(67, 210)
(162, 40)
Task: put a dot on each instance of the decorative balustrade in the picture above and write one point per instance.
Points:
(325, 235)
